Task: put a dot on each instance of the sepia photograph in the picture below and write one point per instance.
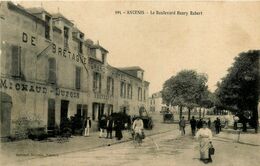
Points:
(129, 83)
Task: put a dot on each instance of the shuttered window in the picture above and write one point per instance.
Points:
(97, 82)
(78, 73)
(52, 71)
(16, 61)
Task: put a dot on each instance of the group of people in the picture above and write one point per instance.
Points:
(109, 124)
(203, 134)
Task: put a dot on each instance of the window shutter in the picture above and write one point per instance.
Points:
(16, 61)
(52, 70)
(78, 71)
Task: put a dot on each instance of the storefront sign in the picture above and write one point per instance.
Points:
(35, 88)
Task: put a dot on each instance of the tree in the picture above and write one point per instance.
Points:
(186, 89)
(239, 89)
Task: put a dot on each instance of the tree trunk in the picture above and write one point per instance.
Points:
(180, 112)
(203, 115)
(200, 113)
(189, 114)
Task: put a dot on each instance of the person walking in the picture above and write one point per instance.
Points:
(199, 124)
(110, 125)
(193, 124)
(102, 126)
(236, 119)
(118, 128)
(209, 123)
(87, 126)
(138, 127)
(204, 136)
(182, 125)
(217, 125)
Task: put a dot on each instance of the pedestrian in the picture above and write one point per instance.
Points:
(199, 124)
(209, 123)
(236, 119)
(138, 127)
(217, 125)
(193, 124)
(204, 136)
(102, 126)
(118, 128)
(110, 125)
(87, 126)
(182, 125)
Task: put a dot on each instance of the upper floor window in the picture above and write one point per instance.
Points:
(77, 79)
(16, 61)
(123, 89)
(80, 47)
(66, 36)
(81, 36)
(144, 95)
(140, 94)
(129, 91)
(52, 71)
(97, 82)
(110, 86)
(47, 26)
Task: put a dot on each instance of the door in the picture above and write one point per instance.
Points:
(51, 114)
(6, 106)
(64, 111)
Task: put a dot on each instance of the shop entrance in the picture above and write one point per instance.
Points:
(51, 114)
(97, 110)
(64, 111)
(6, 106)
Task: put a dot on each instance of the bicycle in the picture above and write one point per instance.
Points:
(137, 138)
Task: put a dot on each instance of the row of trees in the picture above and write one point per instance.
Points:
(238, 91)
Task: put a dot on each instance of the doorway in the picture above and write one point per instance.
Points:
(51, 114)
(6, 106)
(64, 111)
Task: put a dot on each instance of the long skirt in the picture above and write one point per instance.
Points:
(204, 148)
(119, 134)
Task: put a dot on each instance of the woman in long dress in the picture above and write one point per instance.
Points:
(204, 135)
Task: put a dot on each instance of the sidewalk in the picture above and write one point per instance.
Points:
(28, 149)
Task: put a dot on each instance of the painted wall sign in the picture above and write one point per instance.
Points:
(35, 88)
(64, 52)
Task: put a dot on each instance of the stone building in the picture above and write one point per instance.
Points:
(50, 72)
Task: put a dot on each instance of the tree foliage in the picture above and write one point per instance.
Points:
(187, 88)
(239, 90)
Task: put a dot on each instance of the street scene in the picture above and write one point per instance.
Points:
(121, 83)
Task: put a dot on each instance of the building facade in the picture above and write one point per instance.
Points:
(156, 103)
(50, 72)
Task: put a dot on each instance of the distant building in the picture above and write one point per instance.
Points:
(156, 103)
(50, 72)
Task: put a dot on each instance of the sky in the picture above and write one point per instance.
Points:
(163, 45)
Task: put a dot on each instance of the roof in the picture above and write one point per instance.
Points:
(59, 15)
(37, 10)
(130, 68)
(97, 46)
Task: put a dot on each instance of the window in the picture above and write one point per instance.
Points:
(66, 36)
(81, 36)
(144, 95)
(110, 86)
(129, 91)
(78, 73)
(16, 61)
(123, 90)
(82, 110)
(97, 82)
(80, 47)
(52, 71)
(140, 94)
(47, 26)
